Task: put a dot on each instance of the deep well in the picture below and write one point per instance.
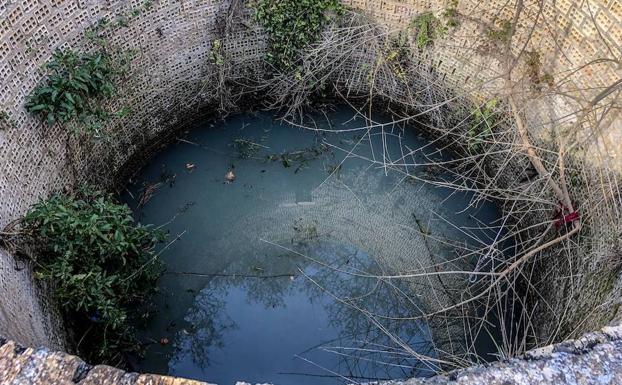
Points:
(167, 90)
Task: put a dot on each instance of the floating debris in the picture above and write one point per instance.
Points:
(164, 341)
(167, 177)
(301, 158)
(304, 231)
(334, 169)
(147, 193)
(229, 176)
(190, 166)
(246, 149)
(296, 204)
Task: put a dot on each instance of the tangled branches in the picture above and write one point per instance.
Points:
(541, 273)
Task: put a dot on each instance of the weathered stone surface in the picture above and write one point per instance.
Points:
(594, 359)
(20, 366)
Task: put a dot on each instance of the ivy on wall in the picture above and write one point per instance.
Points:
(427, 28)
(292, 25)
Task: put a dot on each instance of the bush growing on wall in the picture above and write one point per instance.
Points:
(427, 28)
(99, 262)
(483, 120)
(73, 79)
(76, 84)
(292, 25)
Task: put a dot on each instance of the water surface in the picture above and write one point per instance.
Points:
(273, 278)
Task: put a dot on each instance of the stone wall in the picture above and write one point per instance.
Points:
(26, 313)
(575, 40)
(27, 366)
(172, 41)
(166, 89)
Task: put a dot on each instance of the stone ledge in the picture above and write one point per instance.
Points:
(593, 359)
(41, 366)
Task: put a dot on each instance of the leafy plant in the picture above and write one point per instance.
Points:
(217, 56)
(451, 14)
(483, 121)
(501, 34)
(99, 261)
(397, 53)
(292, 25)
(73, 79)
(534, 70)
(76, 82)
(428, 28)
(6, 121)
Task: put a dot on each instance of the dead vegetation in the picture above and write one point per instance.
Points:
(549, 272)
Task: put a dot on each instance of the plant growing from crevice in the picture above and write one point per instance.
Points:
(6, 121)
(76, 85)
(534, 70)
(292, 25)
(120, 20)
(501, 34)
(397, 54)
(427, 28)
(216, 53)
(99, 263)
(451, 14)
(483, 120)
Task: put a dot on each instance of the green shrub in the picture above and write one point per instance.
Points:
(427, 27)
(5, 121)
(99, 262)
(451, 14)
(73, 80)
(484, 118)
(75, 85)
(503, 34)
(292, 25)
(216, 53)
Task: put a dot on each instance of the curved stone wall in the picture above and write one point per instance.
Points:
(578, 43)
(172, 41)
(167, 89)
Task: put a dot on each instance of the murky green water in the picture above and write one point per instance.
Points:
(274, 276)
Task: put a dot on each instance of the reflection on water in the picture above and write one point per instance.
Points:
(275, 276)
(291, 330)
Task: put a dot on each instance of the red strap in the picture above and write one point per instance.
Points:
(573, 216)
